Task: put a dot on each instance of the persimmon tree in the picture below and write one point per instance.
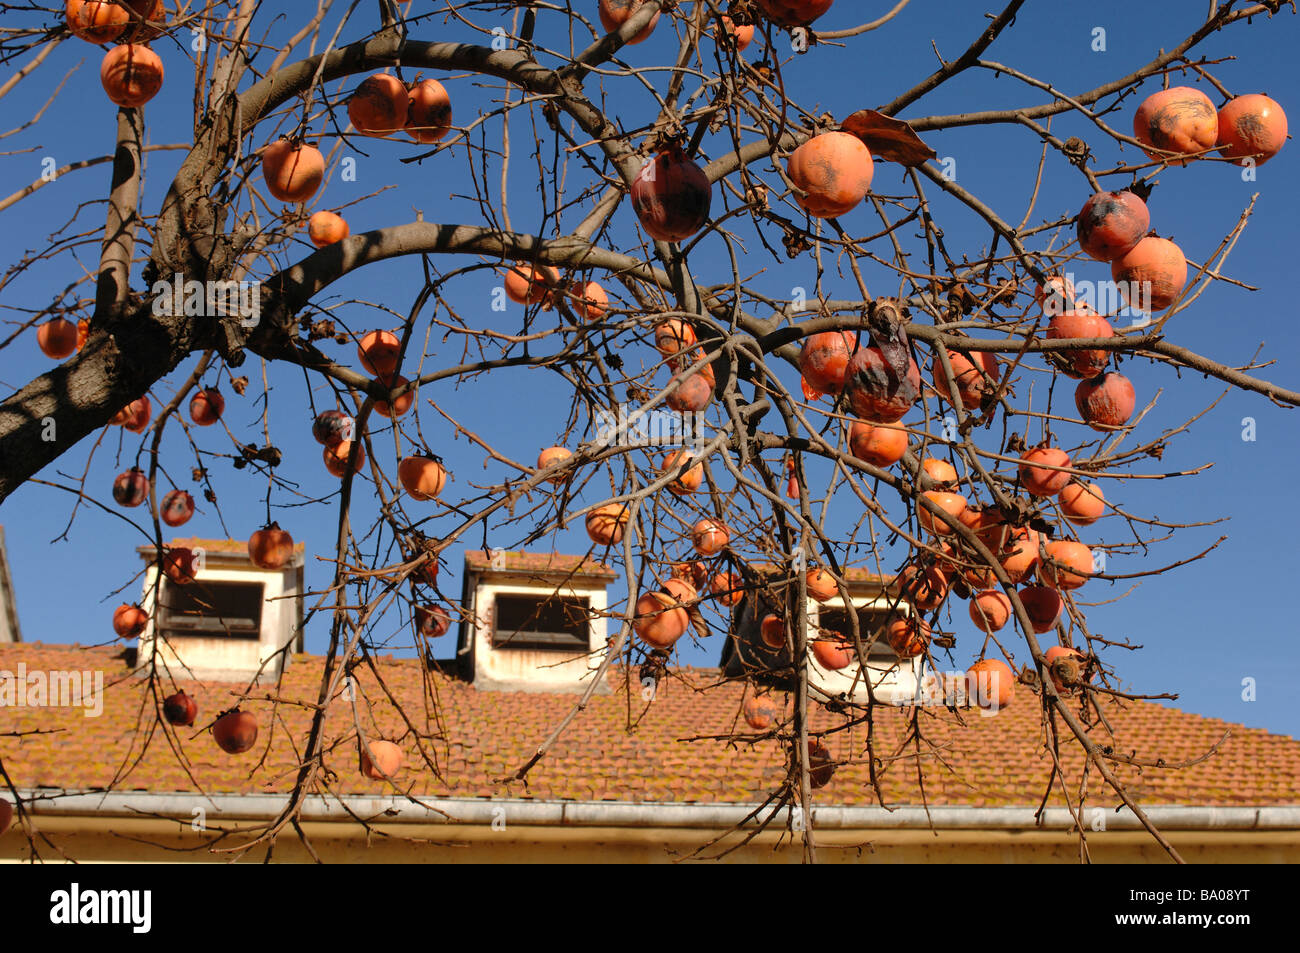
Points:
(921, 386)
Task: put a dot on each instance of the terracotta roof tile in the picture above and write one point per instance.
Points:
(480, 737)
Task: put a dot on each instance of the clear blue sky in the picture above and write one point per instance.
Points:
(1204, 627)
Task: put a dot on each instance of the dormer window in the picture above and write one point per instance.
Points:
(534, 622)
(835, 618)
(234, 622)
(526, 621)
(893, 680)
(230, 609)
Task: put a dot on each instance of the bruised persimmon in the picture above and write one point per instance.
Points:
(671, 196)
(377, 107)
(1179, 120)
(833, 171)
(876, 391)
(1105, 402)
(428, 111)
(824, 360)
(791, 13)
(1251, 128)
(1111, 223)
(1151, 275)
(760, 712)
(1081, 363)
(1043, 605)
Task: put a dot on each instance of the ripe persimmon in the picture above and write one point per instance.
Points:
(990, 684)
(990, 610)
(422, 477)
(975, 374)
(614, 13)
(527, 283)
(131, 74)
(1082, 503)
(550, 457)
(605, 524)
(1066, 564)
(1082, 362)
(326, 228)
(710, 536)
(293, 170)
(908, 637)
(878, 444)
(336, 456)
(1036, 478)
(57, 338)
(690, 479)
(380, 760)
(379, 352)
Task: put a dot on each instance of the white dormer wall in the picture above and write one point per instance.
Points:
(531, 669)
(893, 681)
(222, 658)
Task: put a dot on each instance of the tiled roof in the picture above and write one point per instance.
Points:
(556, 563)
(478, 737)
